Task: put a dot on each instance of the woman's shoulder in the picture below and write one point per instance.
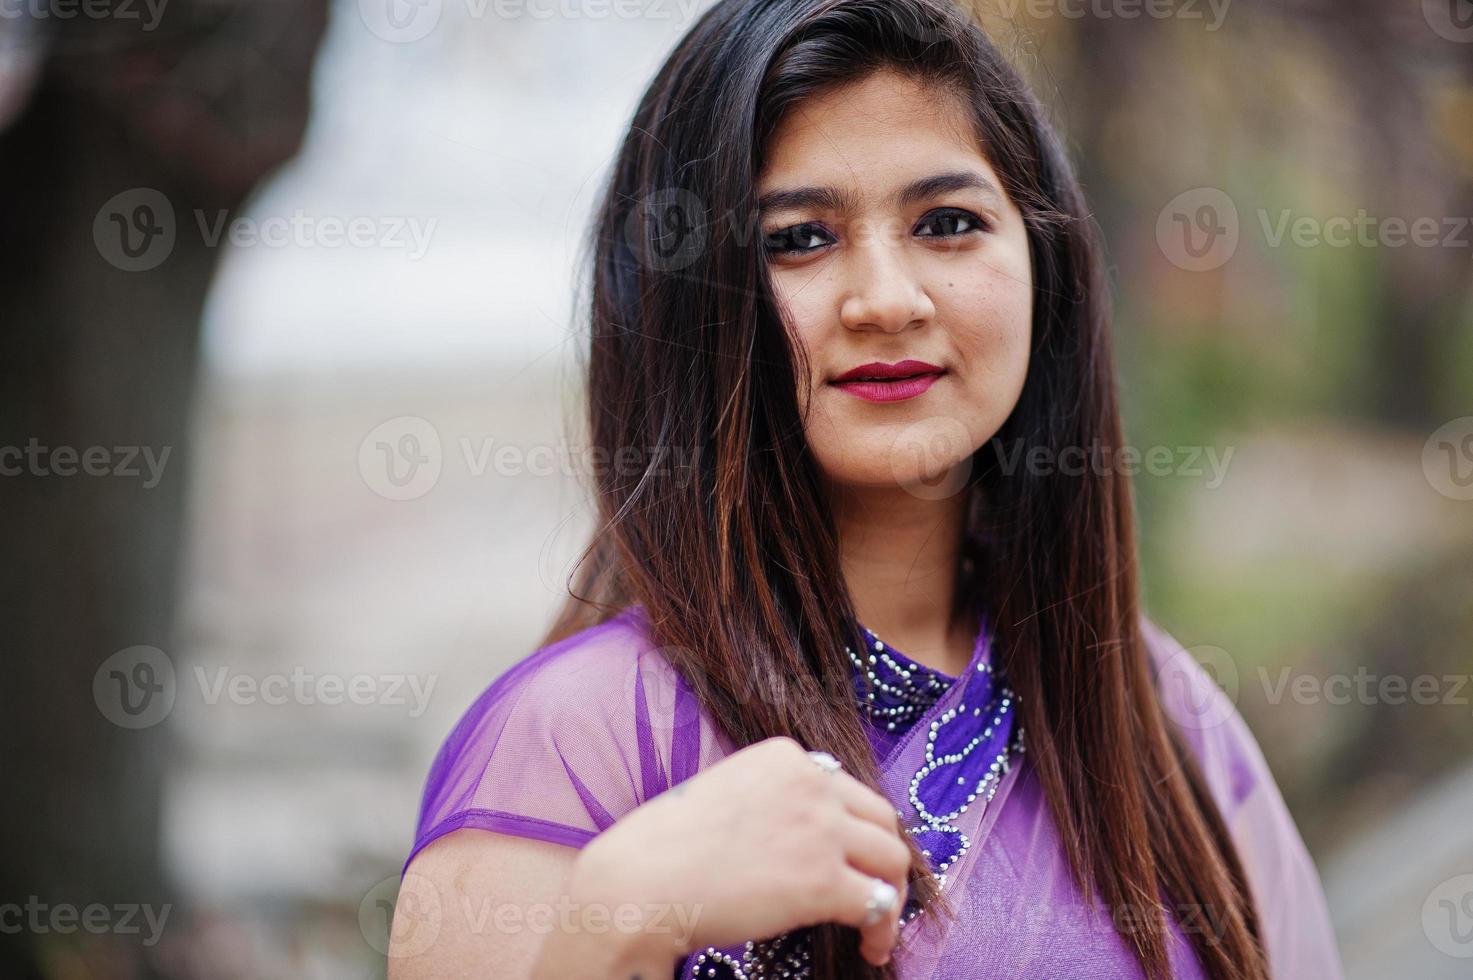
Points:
(595, 663)
(1201, 704)
(570, 738)
(1292, 913)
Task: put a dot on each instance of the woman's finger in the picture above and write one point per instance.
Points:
(872, 905)
(876, 852)
(880, 854)
(864, 802)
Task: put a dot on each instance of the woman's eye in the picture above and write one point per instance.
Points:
(949, 222)
(797, 239)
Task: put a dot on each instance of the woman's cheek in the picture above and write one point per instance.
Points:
(994, 352)
(802, 313)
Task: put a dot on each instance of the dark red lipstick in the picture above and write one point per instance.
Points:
(881, 382)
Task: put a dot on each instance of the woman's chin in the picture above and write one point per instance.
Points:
(902, 473)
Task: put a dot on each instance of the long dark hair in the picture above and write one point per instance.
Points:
(720, 527)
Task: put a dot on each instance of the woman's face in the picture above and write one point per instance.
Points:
(889, 239)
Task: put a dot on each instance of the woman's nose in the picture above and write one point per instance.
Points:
(884, 292)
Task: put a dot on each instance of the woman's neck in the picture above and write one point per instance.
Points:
(900, 556)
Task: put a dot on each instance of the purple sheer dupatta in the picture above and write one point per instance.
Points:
(570, 739)
(1020, 914)
(581, 732)
(954, 769)
(1293, 917)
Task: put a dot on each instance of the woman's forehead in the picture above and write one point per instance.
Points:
(873, 137)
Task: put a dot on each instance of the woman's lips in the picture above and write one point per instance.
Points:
(879, 381)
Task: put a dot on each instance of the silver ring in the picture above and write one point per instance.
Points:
(825, 761)
(882, 899)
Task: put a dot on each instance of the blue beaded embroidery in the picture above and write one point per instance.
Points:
(962, 766)
(787, 956)
(961, 763)
(894, 689)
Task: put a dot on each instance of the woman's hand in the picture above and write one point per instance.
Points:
(760, 843)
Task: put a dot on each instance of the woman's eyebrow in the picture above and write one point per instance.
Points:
(807, 199)
(945, 183)
(835, 200)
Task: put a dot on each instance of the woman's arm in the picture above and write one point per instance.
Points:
(481, 904)
(761, 843)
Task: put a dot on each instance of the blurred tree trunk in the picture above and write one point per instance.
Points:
(97, 353)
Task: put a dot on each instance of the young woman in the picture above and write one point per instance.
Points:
(855, 682)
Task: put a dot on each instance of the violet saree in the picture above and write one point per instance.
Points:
(581, 732)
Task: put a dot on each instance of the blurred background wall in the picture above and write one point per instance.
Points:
(290, 465)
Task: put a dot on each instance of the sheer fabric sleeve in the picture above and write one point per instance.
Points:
(569, 740)
(1286, 889)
